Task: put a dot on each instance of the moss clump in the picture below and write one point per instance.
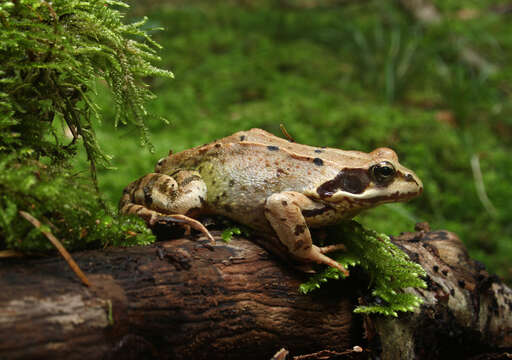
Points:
(388, 267)
(66, 206)
(51, 56)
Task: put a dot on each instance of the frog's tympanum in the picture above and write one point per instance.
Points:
(275, 186)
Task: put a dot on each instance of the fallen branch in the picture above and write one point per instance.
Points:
(179, 300)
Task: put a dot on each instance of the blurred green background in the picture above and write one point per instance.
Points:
(347, 74)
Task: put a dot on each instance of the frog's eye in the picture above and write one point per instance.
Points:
(383, 172)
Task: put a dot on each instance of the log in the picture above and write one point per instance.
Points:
(182, 299)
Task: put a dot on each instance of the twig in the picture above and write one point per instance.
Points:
(285, 133)
(329, 354)
(480, 186)
(10, 254)
(72, 264)
(280, 355)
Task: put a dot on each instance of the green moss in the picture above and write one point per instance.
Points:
(52, 54)
(65, 204)
(389, 269)
(227, 234)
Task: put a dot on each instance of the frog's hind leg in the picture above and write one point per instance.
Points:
(284, 213)
(162, 198)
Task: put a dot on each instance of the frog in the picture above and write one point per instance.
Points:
(280, 188)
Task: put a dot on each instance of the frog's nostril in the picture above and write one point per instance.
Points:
(409, 177)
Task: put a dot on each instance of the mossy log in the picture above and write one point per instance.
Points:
(181, 299)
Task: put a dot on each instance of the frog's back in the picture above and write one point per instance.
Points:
(324, 153)
(252, 171)
(242, 170)
(266, 140)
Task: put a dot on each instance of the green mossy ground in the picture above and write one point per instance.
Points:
(354, 76)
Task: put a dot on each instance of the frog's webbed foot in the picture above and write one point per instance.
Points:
(160, 198)
(284, 213)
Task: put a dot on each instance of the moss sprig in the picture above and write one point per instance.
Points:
(389, 268)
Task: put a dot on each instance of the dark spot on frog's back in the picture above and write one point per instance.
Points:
(299, 244)
(318, 161)
(242, 138)
(273, 148)
(319, 151)
(354, 181)
(299, 229)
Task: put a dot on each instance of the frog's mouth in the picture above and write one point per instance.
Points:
(373, 198)
(396, 196)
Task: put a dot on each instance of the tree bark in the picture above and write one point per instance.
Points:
(181, 300)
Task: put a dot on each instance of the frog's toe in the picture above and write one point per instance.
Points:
(332, 248)
(340, 267)
(193, 223)
(317, 256)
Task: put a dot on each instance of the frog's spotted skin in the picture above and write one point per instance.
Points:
(273, 185)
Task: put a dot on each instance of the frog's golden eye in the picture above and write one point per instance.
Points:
(383, 172)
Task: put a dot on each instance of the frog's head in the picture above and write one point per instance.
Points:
(374, 179)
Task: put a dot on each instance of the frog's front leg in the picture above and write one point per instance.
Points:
(284, 212)
(159, 197)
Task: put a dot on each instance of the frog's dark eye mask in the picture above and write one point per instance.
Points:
(354, 181)
(383, 172)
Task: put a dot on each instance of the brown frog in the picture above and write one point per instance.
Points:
(275, 186)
